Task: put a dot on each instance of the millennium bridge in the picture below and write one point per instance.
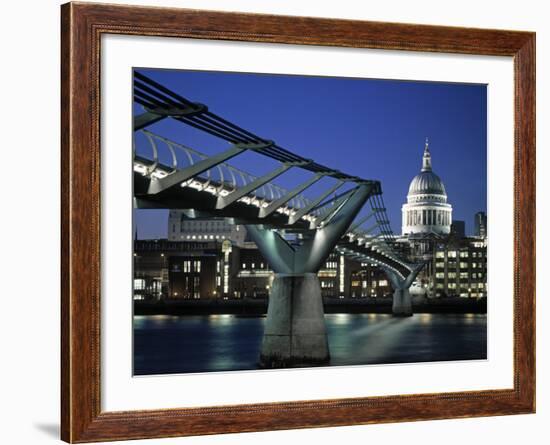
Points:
(294, 230)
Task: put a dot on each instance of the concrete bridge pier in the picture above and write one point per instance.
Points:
(402, 301)
(295, 333)
(402, 304)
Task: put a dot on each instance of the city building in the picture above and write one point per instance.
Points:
(165, 269)
(182, 270)
(460, 266)
(181, 228)
(369, 281)
(254, 276)
(458, 229)
(480, 224)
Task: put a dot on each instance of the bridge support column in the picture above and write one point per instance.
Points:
(402, 304)
(295, 332)
(402, 301)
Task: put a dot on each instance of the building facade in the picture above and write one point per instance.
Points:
(458, 229)
(460, 266)
(183, 270)
(426, 209)
(480, 224)
(181, 228)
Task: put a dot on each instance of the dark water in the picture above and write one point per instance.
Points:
(165, 344)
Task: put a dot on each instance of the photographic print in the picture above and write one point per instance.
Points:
(286, 221)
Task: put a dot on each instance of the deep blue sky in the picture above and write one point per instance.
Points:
(374, 129)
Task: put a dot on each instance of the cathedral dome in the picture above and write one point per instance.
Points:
(426, 210)
(427, 183)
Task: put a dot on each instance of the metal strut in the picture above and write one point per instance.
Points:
(158, 185)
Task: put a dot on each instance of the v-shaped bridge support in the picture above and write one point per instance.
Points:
(295, 332)
(402, 302)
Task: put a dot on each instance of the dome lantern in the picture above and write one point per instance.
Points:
(427, 158)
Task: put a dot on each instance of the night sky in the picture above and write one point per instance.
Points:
(370, 128)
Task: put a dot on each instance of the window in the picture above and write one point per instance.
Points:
(452, 275)
(440, 254)
(187, 266)
(451, 254)
(139, 284)
(383, 283)
(464, 254)
(197, 266)
(440, 275)
(463, 265)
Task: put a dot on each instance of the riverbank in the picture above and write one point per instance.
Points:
(331, 305)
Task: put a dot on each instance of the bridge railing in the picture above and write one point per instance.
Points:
(156, 156)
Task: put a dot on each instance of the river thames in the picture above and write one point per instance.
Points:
(165, 344)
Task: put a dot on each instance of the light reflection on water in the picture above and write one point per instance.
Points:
(202, 343)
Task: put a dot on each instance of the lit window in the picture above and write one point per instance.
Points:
(187, 266)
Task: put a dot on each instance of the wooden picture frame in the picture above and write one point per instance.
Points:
(82, 26)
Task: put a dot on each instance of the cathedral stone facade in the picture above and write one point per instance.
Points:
(426, 210)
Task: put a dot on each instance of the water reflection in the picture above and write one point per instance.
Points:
(179, 344)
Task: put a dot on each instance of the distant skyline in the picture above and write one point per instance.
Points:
(371, 128)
